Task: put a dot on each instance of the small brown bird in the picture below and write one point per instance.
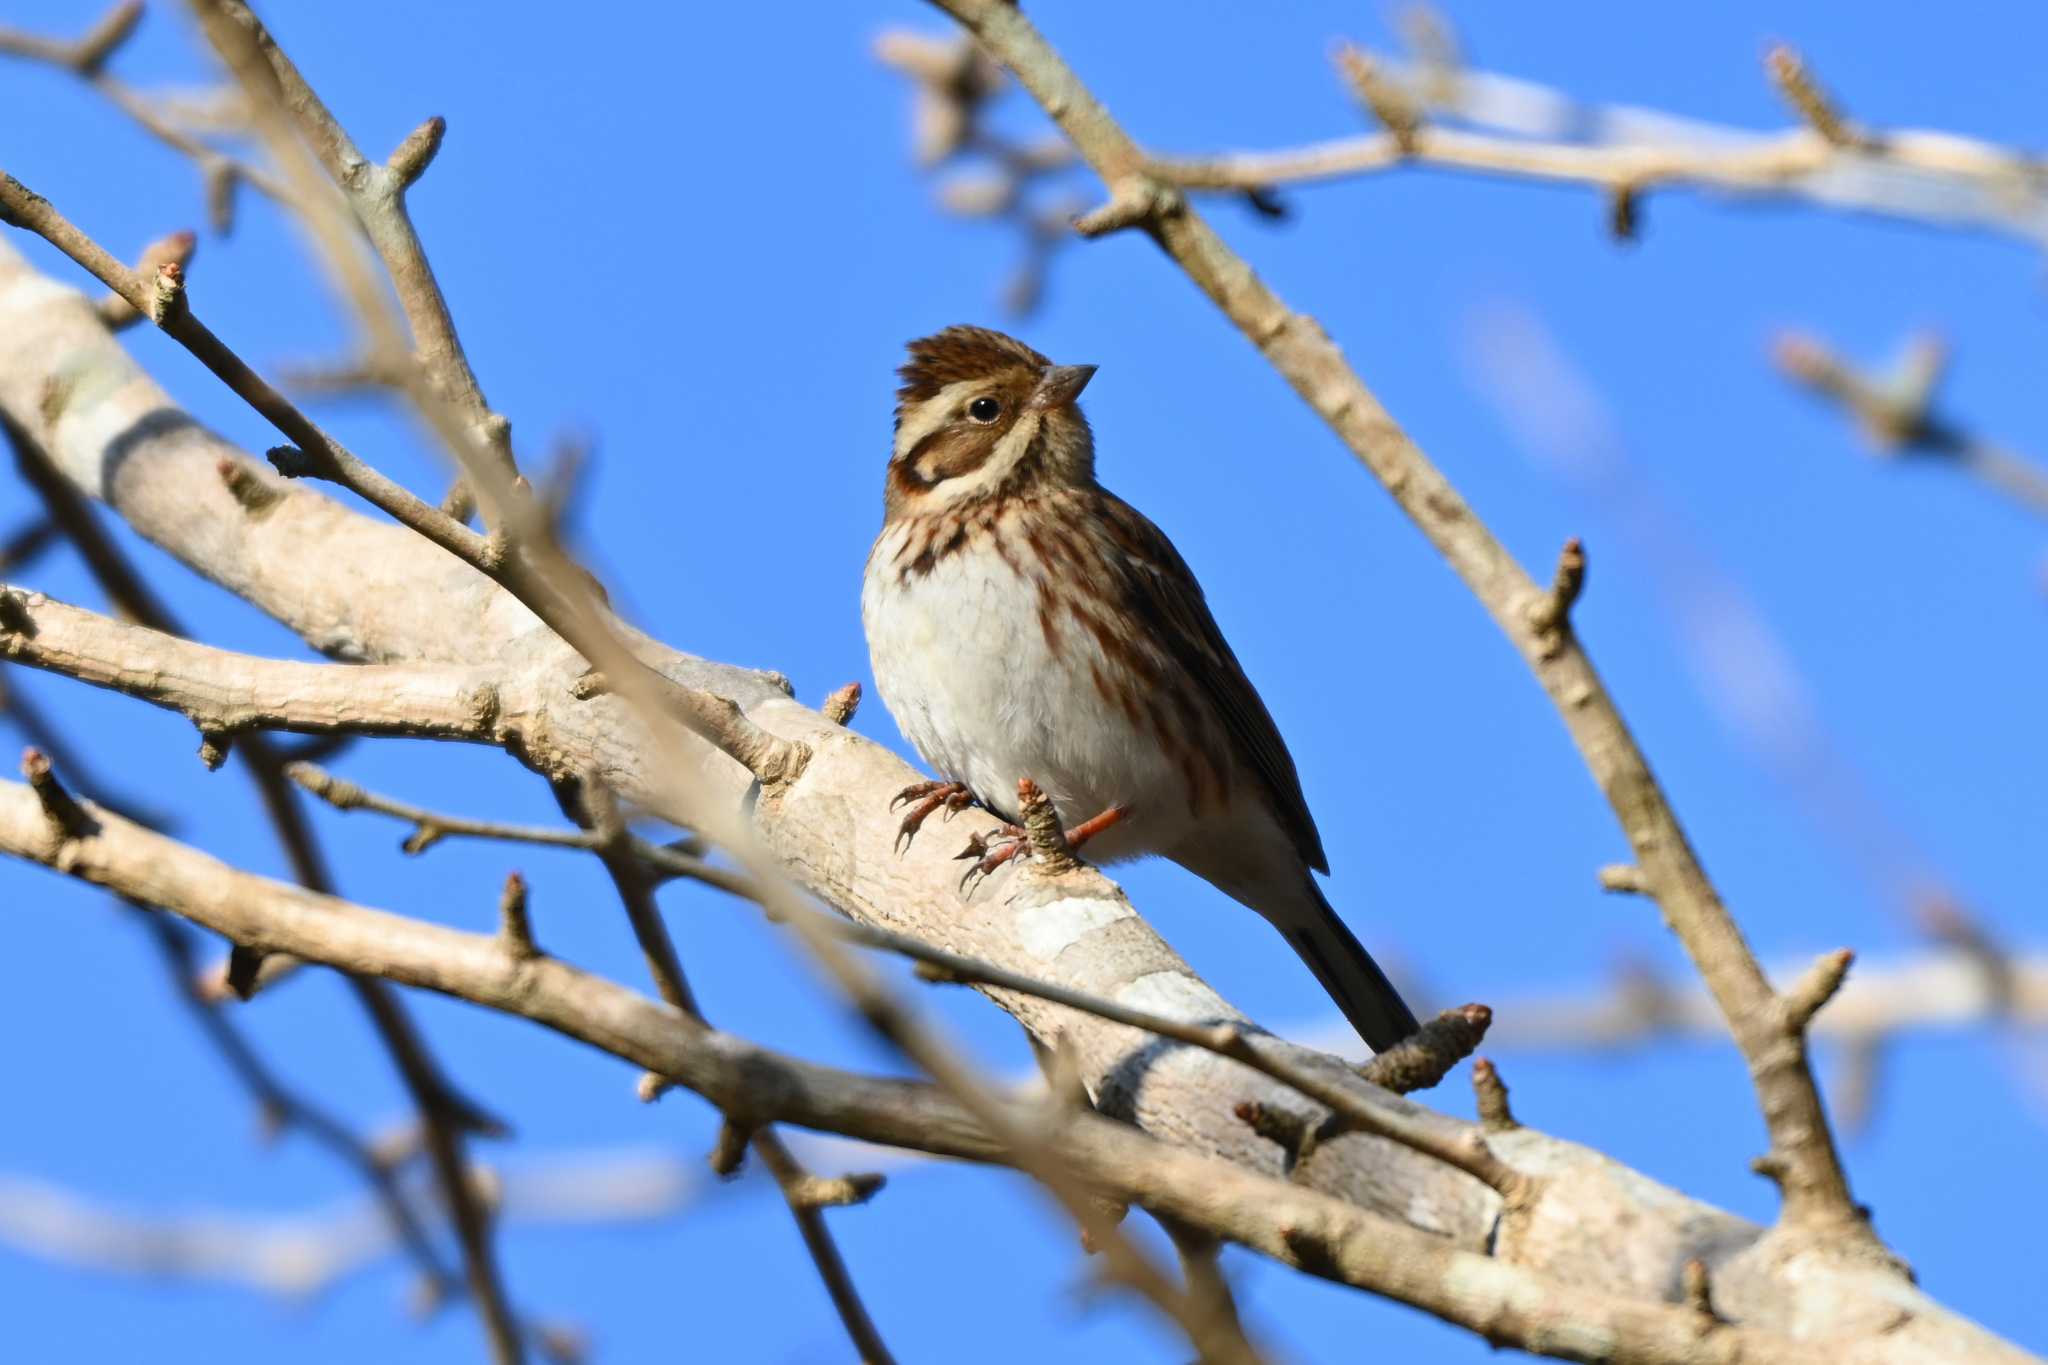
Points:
(1026, 623)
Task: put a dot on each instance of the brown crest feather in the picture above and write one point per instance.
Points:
(960, 353)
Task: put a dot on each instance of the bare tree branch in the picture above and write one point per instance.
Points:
(1323, 1236)
(1815, 1189)
(1524, 130)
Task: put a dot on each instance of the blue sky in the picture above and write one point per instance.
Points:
(694, 235)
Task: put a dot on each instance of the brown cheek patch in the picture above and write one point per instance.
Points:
(952, 451)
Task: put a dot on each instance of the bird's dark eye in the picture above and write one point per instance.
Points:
(985, 410)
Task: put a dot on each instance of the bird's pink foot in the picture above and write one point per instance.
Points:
(1005, 843)
(928, 796)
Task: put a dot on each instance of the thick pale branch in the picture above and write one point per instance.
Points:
(1318, 1234)
(223, 693)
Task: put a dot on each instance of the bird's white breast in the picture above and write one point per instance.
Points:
(963, 662)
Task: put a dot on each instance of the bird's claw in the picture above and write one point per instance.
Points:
(990, 849)
(929, 796)
(917, 790)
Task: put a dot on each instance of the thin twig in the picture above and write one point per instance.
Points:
(430, 827)
(794, 1182)
(376, 193)
(285, 1109)
(592, 804)
(444, 1121)
(1415, 1063)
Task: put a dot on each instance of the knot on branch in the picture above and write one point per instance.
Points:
(1425, 1057)
(1625, 211)
(841, 705)
(1550, 615)
(67, 818)
(257, 495)
(729, 1152)
(244, 970)
(515, 929)
(1624, 879)
(213, 748)
(294, 463)
(1815, 987)
(15, 618)
(167, 293)
(1042, 829)
(835, 1192)
(1382, 97)
(115, 312)
(337, 792)
(1292, 1132)
(1796, 83)
(1134, 200)
(1699, 1298)
(410, 159)
(1491, 1094)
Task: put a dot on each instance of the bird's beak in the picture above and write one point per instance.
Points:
(1060, 385)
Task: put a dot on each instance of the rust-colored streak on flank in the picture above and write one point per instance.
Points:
(1103, 684)
(1034, 541)
(1048, 620)
(1118, 646)
(1075, 550)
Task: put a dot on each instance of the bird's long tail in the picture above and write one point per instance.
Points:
(1346, 970)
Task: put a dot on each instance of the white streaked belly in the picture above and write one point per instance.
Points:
(964, 666)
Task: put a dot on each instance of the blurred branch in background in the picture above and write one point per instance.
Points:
(1940, 990)
(177, 120)
(1453, 118)
(1436, 112)
(1895, 413)
(1747, 674)
(993, 177)
(303, 1255)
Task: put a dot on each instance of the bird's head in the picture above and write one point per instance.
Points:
(981, 414)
